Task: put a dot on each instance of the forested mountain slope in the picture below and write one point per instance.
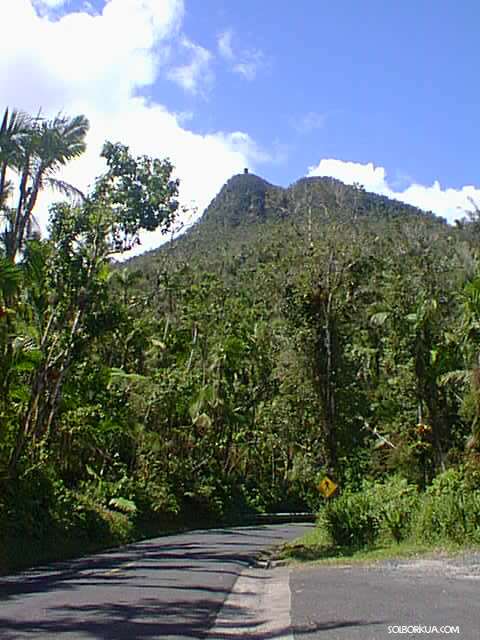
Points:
(347, 298)
(247, 200)
(289, 333)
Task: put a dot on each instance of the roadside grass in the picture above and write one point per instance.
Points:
(393, 519)
(316, 547)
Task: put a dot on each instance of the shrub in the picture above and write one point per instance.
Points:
(450, 510)
(359, 518)
(398, 506)
(352, 519)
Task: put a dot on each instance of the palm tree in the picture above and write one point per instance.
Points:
(15, 125)
(13, 128)
(46, 147)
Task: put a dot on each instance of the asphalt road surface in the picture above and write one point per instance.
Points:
(168, 588)
(203, 584)
(435, 598)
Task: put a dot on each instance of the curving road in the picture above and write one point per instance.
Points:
(167, 588)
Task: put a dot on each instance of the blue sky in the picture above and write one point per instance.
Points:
(390, 82)
(369, 91)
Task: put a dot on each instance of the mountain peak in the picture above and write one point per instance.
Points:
(247, 198)
(242, 199)
(246, 180)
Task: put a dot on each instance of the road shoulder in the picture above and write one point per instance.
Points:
(257, 607)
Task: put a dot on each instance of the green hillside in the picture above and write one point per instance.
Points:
(351, 293)
(289, 334)
(246, 201)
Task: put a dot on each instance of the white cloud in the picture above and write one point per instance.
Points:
(103, 59)
(225, 45)
(245, 62)
(196, 76)
(253, 60)
(96, 64)
(309, 122)
(449, 203)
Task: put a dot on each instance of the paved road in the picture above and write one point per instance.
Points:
(388, 600)
(168, 588)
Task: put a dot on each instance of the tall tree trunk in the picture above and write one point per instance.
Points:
(12, 244)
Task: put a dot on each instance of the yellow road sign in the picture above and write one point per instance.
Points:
(327, 487)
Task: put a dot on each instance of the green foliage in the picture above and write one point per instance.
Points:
(291, 332)
(450, 510)
(138, 193)
(359, 518)
(398, 507)
(353, 519)
(34, 149)
(10, 279)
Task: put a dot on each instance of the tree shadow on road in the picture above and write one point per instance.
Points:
(149, 556)
(145, 619)
(150, 619)
(131, 592)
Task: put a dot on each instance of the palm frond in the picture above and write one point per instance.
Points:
(58, 141)
(10, 278)
(24, 343)
(379, 319)
(454, 377)
(68, 136)
(14, 128)
(14, 124)
(76, 196)
(34, 263)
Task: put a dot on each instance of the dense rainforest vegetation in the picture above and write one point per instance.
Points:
(289, 333)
